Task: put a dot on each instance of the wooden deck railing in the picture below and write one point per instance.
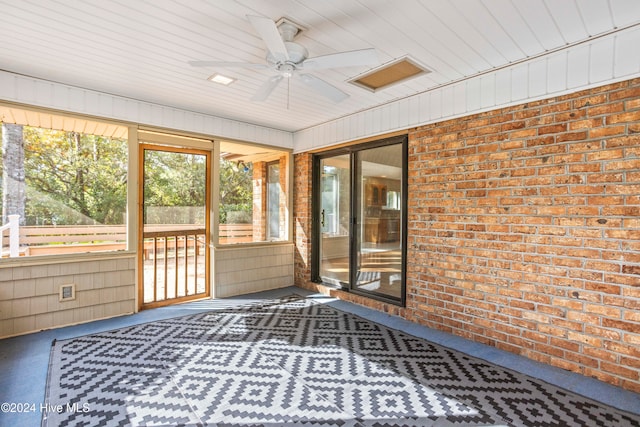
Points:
(48, 240)
(41, 240)
(13, 239)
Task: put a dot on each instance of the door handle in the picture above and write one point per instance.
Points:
(322, 218)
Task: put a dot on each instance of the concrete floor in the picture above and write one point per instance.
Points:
(24, 360)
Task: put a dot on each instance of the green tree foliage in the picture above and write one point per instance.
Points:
(236, 192)
(74, 178)
(174, 180)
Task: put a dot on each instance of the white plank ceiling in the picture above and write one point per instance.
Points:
(140, 49)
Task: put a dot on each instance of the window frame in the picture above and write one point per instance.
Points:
(286, 171)
(60, 121)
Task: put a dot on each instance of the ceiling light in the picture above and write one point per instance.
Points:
(223, 80)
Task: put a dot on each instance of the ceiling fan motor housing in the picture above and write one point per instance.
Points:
(297, 54)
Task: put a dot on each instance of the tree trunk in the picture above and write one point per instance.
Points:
(79, 184)
(13, 183)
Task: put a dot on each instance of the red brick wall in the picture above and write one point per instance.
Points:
(302, 164)
(524, 230)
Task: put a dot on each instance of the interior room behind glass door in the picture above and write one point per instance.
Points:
(379, 212)
(335, 196)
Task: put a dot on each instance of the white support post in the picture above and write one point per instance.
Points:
(14, 236)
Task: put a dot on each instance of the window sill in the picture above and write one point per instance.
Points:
(63, 258)
(252, 244)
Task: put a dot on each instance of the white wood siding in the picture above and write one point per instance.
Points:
(29, 291)
(40, 93)
(241, 270)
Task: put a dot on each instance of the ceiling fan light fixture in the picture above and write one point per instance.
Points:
(220, 79)
(286, 70)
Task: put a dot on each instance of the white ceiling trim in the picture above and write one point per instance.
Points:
(41, 93)
(599, 61)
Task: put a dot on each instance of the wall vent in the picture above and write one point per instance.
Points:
(67, 292)
(390, 74)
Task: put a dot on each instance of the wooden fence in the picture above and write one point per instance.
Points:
(235, 233)
(41, 240)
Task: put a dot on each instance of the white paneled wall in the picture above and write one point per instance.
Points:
(29, 292)
(32, 91)
(604, 60)
(241, 270)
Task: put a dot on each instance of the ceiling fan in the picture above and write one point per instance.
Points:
(287, 58)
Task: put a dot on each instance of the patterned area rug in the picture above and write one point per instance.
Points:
(292, 362)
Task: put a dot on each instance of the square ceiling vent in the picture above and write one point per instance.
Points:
(390, 74)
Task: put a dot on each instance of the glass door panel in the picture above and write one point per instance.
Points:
(335, 196)
(378, 242)
(273, 201)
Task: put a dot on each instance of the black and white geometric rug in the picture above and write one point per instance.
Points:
(293, 362)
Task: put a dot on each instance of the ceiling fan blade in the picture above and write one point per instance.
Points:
(352, 58)
(266, 89)
(324, 88)
(268, 31)
(227, 64)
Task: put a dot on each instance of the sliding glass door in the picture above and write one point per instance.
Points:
(359, 217)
